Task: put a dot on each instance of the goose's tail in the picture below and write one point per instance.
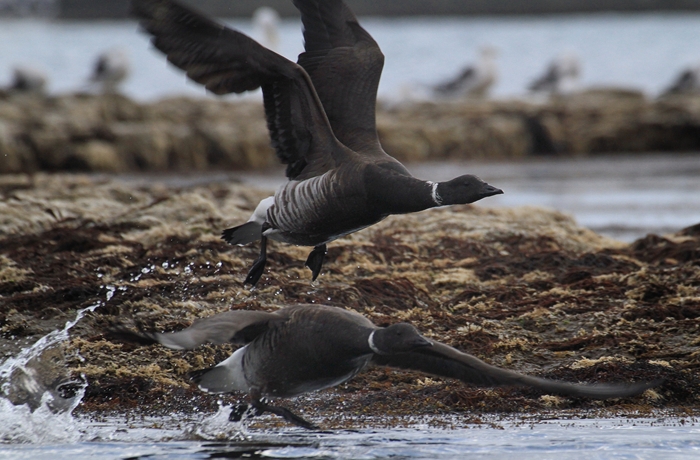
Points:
(243, 234)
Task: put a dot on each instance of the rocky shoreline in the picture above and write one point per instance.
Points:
(523, 288)
(115, 134)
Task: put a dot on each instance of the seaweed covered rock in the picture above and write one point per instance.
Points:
(524, 288)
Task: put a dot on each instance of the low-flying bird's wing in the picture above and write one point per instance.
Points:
(445, 361)
(345, 64)
(238, 327)
(227, 61)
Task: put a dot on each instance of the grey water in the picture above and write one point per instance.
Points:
(642, 51)
(554, 439)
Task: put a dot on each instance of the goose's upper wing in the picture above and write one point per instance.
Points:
(238, 327)
(227, 61)
(345, 64)
(445, 361)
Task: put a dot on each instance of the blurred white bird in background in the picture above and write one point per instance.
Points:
(27, 79)
(561, 76)
(687, 82)
(474, 81)
(110, 70)
(266, 23)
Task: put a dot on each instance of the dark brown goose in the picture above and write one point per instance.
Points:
(305, 348)
(321, 118)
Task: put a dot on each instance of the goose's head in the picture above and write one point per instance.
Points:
(397, 338)
(465, 189)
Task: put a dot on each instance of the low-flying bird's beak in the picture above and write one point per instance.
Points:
(490, 190)
(421, 342)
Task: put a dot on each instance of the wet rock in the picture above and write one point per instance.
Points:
(112, 133)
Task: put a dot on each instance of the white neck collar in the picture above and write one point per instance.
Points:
(437, 199)
(372, 346)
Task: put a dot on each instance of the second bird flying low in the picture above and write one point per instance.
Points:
(304, 348)
(321, 116)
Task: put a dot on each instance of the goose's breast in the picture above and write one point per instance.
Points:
(319, 210)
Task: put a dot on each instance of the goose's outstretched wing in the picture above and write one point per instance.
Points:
(227, 61)
(238, 327)
(445, 361)
(345, 64)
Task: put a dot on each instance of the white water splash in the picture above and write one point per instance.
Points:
(32, 411)
(218, 427)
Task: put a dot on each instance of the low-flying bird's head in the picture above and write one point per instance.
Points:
(397, 338)
(465, 189)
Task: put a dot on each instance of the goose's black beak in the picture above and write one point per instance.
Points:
(490, 190)
(421, 342)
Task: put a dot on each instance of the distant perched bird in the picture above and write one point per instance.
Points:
(266, 23)
(28, 80)
(321, 118)
(688, 82)
(111, 69)
(473, 81)
(305, 348)
(561, 77)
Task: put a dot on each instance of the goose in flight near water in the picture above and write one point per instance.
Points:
(321, 117)
(304, 348)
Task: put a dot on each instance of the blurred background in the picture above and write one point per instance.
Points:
(589, 107)
(640, 44)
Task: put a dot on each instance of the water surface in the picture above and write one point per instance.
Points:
(644, 51)
(550, 439)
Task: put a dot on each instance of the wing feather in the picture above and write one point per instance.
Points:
(238, 327)
(345, 65)
(227, 61)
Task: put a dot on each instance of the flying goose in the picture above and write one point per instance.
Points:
(304, 348)
(321, 117)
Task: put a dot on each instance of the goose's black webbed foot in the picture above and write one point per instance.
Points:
(315, 260)
(258, 267)
(256, 271)
(285, 413)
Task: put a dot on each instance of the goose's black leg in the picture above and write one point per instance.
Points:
(283, 412)
(315, 260)
(258, 267)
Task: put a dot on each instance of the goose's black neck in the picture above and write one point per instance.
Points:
(394, 192)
